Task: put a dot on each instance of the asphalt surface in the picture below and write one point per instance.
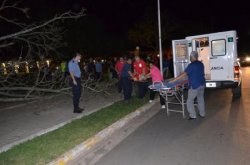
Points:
(222, 138)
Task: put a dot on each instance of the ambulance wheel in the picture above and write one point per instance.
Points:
(237, 91)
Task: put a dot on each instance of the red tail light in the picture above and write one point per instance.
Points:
(236, 72)
(236, 68)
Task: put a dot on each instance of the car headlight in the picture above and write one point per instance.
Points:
(247, 59)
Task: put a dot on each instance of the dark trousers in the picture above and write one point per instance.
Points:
(152, 96)
(114, 73)
(126, 87)
(76, 91)
(142, 89)
(119, 85)
(98, 75)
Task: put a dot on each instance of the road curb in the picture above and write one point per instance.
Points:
(88, 144)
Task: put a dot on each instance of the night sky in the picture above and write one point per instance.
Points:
(116, 17)
(120, 14)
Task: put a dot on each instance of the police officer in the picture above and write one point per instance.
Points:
(126, 75)
(75, 75)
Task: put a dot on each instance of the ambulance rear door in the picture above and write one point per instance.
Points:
(180, 56)
(219, 58)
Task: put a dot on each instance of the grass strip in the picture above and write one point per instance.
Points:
(43, 149)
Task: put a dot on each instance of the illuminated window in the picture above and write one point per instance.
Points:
(181, 51)
(219, 47)
(202, 42)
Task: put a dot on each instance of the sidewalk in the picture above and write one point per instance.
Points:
(24, 122)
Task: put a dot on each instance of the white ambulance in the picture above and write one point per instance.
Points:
(218, 52)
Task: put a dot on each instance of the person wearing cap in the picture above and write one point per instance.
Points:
(196, 78)
(75, 81)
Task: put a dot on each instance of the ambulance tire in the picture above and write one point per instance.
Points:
(237, 91)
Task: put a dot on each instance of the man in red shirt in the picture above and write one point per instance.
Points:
(118, 68)
(140, 71)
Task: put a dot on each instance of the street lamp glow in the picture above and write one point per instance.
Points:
(48, 62)
(16, 66)
(37, 64)
(248, 59)
(4, 69)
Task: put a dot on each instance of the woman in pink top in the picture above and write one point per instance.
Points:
(155, 73)
(156, 76)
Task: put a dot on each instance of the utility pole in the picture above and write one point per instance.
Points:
(160, 46)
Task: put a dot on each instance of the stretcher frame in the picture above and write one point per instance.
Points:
(177, 91)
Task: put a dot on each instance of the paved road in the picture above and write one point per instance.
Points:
(222, 138)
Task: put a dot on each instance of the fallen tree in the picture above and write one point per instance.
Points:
(33, 42)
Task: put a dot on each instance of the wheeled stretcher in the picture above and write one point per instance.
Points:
(173, 93)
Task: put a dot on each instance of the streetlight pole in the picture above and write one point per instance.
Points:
(160, 46)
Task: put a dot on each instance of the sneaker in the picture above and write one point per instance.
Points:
(150, 101)
(163, 106)
(201, 116)
(191, 118)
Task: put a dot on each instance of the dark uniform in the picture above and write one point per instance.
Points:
(126, 81)
(76, 89)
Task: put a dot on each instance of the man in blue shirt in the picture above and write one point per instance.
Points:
(126, 74)
(75, 74)
(195, 73)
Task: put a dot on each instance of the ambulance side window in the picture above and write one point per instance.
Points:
(218, 47)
